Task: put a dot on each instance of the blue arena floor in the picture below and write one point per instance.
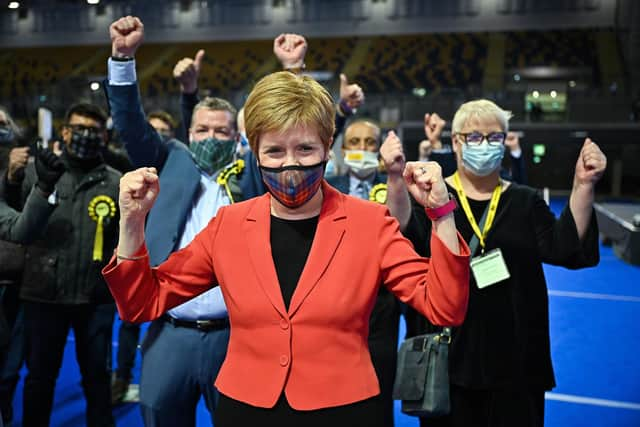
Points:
(595, 339)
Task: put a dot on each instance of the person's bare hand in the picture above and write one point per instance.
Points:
(126, 36)
(138, 192)
(425, 183)
(433, 126)
(18, 158)
(350, 93)
(290, 49)
(424, 149)
(512, 141)
(591, 164)
(187, 71)
(392, 154)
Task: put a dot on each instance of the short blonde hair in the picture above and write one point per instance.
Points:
(481, 109)
(283, 100)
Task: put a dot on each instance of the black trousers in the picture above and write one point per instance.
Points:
(46, 328)
(12, 357)
(233, 413)
(128, 336)
(485, 408)
(383, 347)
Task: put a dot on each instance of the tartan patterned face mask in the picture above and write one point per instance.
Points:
(86, 144)
(213, 154)
(293, 186)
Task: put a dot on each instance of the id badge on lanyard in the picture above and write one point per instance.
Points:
(489, 268)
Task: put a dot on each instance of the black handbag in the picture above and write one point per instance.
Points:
(422, 375)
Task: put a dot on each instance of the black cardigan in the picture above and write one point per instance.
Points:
(504, 340)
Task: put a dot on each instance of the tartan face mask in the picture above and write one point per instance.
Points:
(86, 143)
(293, 186)
(213, 154)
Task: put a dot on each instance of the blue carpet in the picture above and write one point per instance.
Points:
(595, 342)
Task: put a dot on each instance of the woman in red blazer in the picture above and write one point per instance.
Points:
(299, 269)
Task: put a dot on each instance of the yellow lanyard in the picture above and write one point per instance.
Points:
(493, 207)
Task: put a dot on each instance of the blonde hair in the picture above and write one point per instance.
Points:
(283, 100)
(481, 109)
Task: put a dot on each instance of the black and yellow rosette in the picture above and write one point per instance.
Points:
(100, 208)
(378, 193)
(223, 178)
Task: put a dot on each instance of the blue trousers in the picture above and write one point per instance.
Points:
(128, 336)
(179, 365)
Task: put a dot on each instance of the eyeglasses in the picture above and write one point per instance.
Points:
(83, 128)
(476, 138)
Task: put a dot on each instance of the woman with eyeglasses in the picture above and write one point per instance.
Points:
(500, 359)
(299, 269)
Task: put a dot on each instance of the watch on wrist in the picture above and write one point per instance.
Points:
(439, 212)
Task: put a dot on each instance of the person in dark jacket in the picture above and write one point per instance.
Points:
(500, 357)
(22, 227)
(15, 228)
(62, 286)
(11, 264)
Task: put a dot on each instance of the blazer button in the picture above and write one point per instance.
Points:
(284, 360)
(284, 324)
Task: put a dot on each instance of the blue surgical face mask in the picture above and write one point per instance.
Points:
(244, 141)
(242, 146)
(330, 169)
(6, 135)
(482, 159)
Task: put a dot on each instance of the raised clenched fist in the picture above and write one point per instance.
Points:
(126, 36)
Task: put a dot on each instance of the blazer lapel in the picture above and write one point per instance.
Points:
(257, 228)
(331, 228)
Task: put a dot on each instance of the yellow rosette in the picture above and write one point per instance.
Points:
(378, 193)
(100, 207)
(223, 178)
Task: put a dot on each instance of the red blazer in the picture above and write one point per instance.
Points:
(317, 351)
